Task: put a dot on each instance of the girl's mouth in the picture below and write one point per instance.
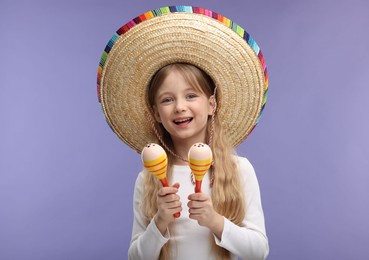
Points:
(183, 121)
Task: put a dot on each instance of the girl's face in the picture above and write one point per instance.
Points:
(182, 110)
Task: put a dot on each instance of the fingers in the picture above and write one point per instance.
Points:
(165, 203)
(167, 196)
(201, 208)
(168, 203)
(198, 207)
(169, 206)
(163, 191)
(198, 197)
(176, 185)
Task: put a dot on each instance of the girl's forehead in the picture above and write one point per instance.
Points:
(175, 80)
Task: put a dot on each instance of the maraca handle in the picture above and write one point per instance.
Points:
(198, 186)
(164, 182)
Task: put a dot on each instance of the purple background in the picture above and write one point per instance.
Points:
(66, 181)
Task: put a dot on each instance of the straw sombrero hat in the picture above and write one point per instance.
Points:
(183, 34)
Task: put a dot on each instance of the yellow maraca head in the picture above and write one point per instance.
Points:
(199, 158)
(155, 160)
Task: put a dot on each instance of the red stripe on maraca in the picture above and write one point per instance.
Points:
(158, 169)
(149, 166)
(199, 165)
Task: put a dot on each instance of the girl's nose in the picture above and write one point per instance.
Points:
(180, 106)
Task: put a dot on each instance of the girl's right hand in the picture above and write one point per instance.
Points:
(168, 203)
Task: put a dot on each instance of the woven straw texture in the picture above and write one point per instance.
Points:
(155, 39)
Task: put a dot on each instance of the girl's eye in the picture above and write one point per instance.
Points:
(166, 100)
(191, 96)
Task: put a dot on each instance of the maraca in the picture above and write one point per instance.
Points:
(199, 158)
(155, 160)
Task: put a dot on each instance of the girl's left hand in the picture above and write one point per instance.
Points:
(201, 209)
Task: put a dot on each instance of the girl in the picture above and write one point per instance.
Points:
(180, 75)
(222, 222)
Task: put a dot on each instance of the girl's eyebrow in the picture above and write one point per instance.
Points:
(160, 94)
(164, 94)
(190, 89)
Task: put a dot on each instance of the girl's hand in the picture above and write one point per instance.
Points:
(168, 203)
(201, 209)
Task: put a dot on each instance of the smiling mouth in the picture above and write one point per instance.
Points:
(183, 121)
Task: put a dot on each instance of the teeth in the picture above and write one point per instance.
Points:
(182, 120)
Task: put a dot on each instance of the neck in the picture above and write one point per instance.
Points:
(181, 149)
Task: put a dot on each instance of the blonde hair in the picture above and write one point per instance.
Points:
(227, 193)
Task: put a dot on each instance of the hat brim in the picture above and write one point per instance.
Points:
(153, 40)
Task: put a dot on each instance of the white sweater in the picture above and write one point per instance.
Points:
(191, 241)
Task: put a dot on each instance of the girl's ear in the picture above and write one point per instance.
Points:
(212, 105)
(156, 114)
